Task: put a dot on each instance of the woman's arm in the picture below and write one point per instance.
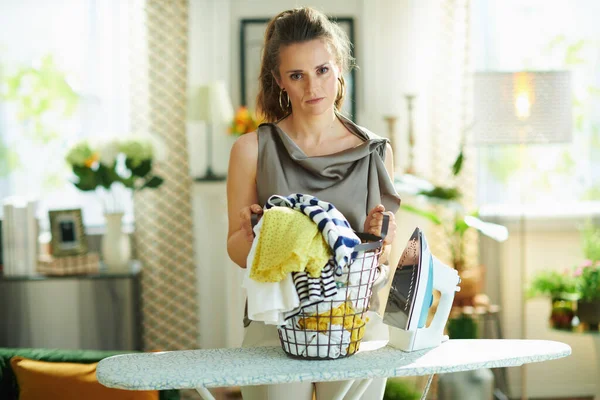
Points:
(241, 196)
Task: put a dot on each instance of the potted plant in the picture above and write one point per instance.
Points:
(456, 222)
(109, 167)
(562, 289)
(588, 281)
(588, 306)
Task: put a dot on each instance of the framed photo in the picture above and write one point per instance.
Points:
(252, 33)
(68, 234)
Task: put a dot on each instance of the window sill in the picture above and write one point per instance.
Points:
(551, 217)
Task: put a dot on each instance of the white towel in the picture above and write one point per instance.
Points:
(268, 301)
(331, 344)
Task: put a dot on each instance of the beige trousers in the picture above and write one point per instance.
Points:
(259, 334)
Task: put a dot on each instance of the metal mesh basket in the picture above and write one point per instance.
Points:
(335, 327)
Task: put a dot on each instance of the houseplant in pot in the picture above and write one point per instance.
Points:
(561, 288)
(447, 211)
(588, 281)
(114, 168)
(588, 306)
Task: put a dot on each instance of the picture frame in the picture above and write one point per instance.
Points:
(252, 32)
(68, 233)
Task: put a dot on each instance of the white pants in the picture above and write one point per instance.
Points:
(259, 334)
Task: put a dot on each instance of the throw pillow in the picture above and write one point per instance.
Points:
(66, 381)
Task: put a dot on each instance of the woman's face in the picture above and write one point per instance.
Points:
(309, 74)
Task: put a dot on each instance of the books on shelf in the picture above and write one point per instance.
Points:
(19, 236)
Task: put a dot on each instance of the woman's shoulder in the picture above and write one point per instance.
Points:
(245, 148)
(367, 134)
(376, 143)
(372, 136)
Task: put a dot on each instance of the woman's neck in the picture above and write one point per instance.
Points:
(313, 129)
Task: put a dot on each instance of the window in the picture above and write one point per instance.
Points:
(514, 35)
(83, 43)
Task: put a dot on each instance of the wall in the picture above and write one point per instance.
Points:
(394, 46)
(550, 242)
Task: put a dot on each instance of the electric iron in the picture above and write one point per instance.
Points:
(411, 296)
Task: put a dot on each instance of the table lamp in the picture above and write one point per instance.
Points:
(210, 103)
(524, 108)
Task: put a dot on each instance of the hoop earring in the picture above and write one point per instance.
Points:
(281, 91)
(342, 87)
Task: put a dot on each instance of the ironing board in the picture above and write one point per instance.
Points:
(203, 369)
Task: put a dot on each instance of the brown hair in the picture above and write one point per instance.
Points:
(296, 26)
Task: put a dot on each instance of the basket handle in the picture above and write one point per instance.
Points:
(253, 219)
(384, 225)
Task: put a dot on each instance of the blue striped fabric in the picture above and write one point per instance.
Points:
(333, 225)
(312, 291)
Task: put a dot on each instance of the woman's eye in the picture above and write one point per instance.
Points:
(295, 77)
(323, 70)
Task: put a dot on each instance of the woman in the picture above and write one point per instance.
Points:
(306, 146)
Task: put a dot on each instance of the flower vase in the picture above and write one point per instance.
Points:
(115, 245)
(588, 312)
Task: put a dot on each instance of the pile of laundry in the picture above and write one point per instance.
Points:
(305, 276)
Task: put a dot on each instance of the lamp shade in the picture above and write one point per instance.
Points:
(522, 107)
(211, 104)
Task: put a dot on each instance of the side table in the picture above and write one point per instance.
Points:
(99, 311)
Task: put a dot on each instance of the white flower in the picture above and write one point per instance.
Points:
(139, 148)
(109, 150)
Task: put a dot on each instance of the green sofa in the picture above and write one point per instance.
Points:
(9, 389)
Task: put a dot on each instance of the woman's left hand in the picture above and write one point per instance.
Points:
(374, 223)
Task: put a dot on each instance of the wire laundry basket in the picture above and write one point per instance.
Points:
(334, 328)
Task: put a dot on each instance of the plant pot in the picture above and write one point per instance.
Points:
(589, 313)
(563, 312)
(470, 285)
(115, 245)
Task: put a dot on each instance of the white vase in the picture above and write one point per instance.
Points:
(115, 245)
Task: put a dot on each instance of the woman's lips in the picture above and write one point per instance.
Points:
(315, 101)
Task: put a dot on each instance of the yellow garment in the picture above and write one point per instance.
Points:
(342, 315)
(289, 241)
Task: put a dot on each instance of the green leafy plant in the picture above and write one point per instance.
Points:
(126, 161)
(581, 282)
(398, 389)
(554, 284)
(591, 242)
(41, 91)
(43, 98)
(588, 282)
(463, 326)
(459, 222)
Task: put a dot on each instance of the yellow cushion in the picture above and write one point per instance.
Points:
(66, 381)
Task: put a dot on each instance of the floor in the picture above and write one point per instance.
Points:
(231, 394)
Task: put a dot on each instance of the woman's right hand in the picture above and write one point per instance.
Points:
(246, 220)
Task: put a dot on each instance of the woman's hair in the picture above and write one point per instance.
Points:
(296, 26)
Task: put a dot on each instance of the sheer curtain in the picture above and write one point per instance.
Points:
(85, 40)
(450, 116)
